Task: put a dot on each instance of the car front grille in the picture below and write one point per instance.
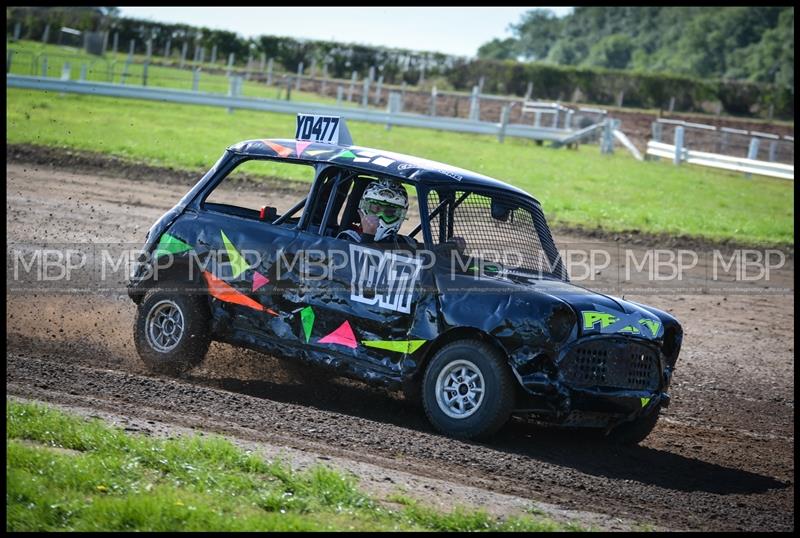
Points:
(612, 363)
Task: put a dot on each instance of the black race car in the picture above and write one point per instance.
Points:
(468, 309)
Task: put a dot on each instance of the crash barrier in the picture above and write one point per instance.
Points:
(754, 145)
(625, 141)
(233, 101)
(556, 112)
(200, 75)
(680, 154)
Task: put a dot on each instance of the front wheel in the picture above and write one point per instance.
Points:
(468, 390)
(171, 330)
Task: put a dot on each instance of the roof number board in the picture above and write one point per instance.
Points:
(315, 128)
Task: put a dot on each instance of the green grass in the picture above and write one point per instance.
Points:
(577, 188)
(28, 60)
(65, 473)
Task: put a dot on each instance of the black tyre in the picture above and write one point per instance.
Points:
(171, 331)
(635, 431)
(468, 390)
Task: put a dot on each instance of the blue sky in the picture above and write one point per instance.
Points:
(456, 30)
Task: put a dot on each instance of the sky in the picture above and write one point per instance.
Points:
(457, 30)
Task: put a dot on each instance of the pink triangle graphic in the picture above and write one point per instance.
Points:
(301, 147)
(343, 336)
(259, 280)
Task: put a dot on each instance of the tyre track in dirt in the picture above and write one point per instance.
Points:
(721, 459)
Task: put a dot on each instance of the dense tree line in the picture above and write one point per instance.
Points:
(739, 43)
(741, 58)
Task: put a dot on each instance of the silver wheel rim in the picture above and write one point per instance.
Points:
(164, 326)
(460, 389)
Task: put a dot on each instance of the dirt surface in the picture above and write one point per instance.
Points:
(721, 457)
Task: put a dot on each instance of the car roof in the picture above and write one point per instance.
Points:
(376, 161)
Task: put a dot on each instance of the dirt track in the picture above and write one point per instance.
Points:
(721, 457)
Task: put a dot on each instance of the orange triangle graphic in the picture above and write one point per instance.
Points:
(280, 150)
(227, 293)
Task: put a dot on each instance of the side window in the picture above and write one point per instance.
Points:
(489, 229)
(344, 211)
(277, 187)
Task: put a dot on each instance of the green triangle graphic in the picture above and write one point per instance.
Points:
(169, 244)
(400, 346)
(346, 154)
(307, 317)
(237, 262)
(645, 401)
(414, 345)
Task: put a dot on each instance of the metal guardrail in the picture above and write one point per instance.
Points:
(500, 129)
(707, 127)
(726, 162)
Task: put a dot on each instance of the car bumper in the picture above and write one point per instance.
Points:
(611, 376)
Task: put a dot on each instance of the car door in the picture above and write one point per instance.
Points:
(238, 249)
(357, 301)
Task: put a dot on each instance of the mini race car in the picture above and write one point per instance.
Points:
(469, 311)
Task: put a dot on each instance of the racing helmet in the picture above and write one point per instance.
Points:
(387, 200)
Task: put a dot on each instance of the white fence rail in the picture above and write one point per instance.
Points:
(232, 101)
(726, 162)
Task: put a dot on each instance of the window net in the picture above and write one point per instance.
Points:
(521, 241)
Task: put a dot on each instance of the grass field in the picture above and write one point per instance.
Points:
(172, 77)
(65, 473)
(28, 60)
(577, 188)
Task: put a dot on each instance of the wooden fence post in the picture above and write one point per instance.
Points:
(353, 78)
(299, 74)
(752, 152)
(678, 145)
(365, 93)
(475, 104)
(378, 89)
(504, 113)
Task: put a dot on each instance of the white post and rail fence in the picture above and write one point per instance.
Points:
(680, 153)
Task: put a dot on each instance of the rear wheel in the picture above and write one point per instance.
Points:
(171, 330)
(468, 390)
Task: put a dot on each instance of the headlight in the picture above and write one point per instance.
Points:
(561, 322)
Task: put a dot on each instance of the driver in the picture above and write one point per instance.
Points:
(382, 210)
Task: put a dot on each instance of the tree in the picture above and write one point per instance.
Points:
(538, 30)
(499, 49)
(614, 51)
(747, 43)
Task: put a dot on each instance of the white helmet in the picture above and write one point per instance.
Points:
(387, 200)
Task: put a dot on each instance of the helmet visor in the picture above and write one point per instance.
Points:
(388, 213)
